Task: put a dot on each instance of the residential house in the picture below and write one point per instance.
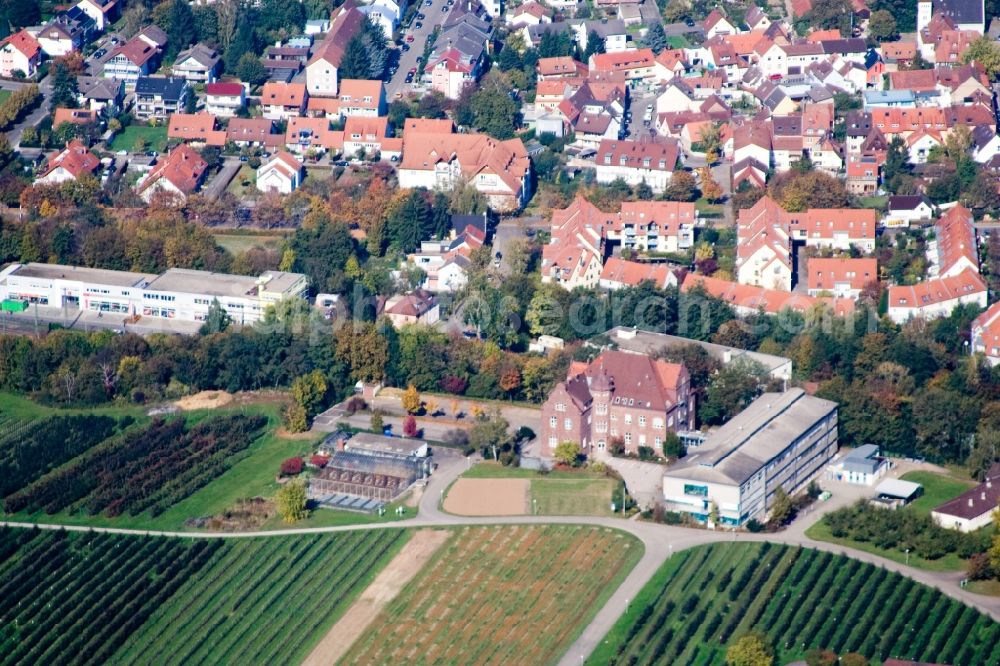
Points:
(757, 19)
(197, 129)
(312, 136)
(955, 241)
(198, 64)
(322, 71)
(835, 228)
(65, 33)
(619, 396)
(936, 297)
(919, 145)
(135, 58)
(459, 54)
(562, 67)
(225, 100)
(72, 162)
(863, 175)
(281, 173)
(102, 12)
(764, 249)
(158, 97)
(438, 159)
(281, 101)
(417, 307)
(20, 54)
(904, 210)
(637, 64)
(619, 273)
(179, 173)
(716, 24)
(843, 278)
(973, 509)
(371, 135)
(99, 94)
(985, 334)
(985, 143)
(749, 300)
(529, 13)
(635, 162)
(73, 116)
(613, 32)
(359, 98)
(254, 132)
(153, 35)
(446, 262)
(385, 14)
(655, 226)
(574, 255)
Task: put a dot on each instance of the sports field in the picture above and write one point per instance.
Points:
(501, 595)
(704, 598)
(493, 490)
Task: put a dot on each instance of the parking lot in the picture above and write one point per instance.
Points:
(413, 40)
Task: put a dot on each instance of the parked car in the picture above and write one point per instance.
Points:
(408, 79)
(418, 24)
(99, 53)
(409, 38)
(406, 47)
(420, 16)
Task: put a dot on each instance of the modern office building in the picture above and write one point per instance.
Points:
(178, 293)
(782, 440)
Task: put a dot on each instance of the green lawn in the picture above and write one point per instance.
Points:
(243, 183)
(491, 470)
(938, 489)
(950, 562)
(572, 497)
(237, 243)
(155, 137)
(677, 42)
(4, 94)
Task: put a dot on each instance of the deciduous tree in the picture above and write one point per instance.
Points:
(291, 501)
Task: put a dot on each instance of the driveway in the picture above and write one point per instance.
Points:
(511, 229)
(222, 179)
(644, 480)
(408, 59)
(33, 118)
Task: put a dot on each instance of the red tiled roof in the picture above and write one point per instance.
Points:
(936, 290)
(825, 273)
(195, 127)
(277, 93)
(183, 168)
(633, 272)
(75, 158)
(771, 301)
(956, 238)
(25, 43)
(224, 89)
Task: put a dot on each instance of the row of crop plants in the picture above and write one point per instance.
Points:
(263, 601)
(143, 468)
(30, 449)
(514, 580)
(800, 599)
(76, 598)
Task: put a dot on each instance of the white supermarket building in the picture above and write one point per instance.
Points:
(179, 293)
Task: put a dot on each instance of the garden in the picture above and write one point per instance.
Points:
(140, 138)
(108, 599)
(501, 595)
(798, 599)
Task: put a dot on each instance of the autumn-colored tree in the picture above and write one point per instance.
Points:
(410, 426)
(291, 500)
(411, 399)
(710, 189)
(455, 407)
(510, 379)
(431, 406)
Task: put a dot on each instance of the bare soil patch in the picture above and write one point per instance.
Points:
(387, 584)
(205, 400)
(489, 497)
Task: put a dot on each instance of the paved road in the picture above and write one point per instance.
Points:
(510, 229)
(660, 542)
(33, 118)
(408, 59)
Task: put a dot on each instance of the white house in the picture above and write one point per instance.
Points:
(974, 508)
(71, 163)
(863, 466)
(103, 12)
(321, 71)
(282, 173)
(224, 100)
(637, 162)
(904, 210)
(936, 297)
(198, 64)
(20, 53)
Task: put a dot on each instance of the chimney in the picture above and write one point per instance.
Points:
(970, 502)
(982, 496)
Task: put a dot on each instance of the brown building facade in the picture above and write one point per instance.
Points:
(618, 395)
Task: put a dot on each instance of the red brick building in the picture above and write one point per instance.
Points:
(618, 394)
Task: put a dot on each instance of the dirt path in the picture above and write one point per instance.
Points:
(387, 584)
(489, 497)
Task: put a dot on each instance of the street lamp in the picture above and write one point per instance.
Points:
(907, 556)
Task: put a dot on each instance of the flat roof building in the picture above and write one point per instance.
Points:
(646, 342)
(178, 293)
(896, 492)
(781, 440)
(862, 466)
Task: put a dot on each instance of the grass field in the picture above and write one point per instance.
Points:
(4, 94)
(938, 489)
(108, 599)
(704, 598)
(237, 243)
(246, 175)
(155, 137)
(502, 595)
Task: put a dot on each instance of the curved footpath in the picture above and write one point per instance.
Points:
(660, 542)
